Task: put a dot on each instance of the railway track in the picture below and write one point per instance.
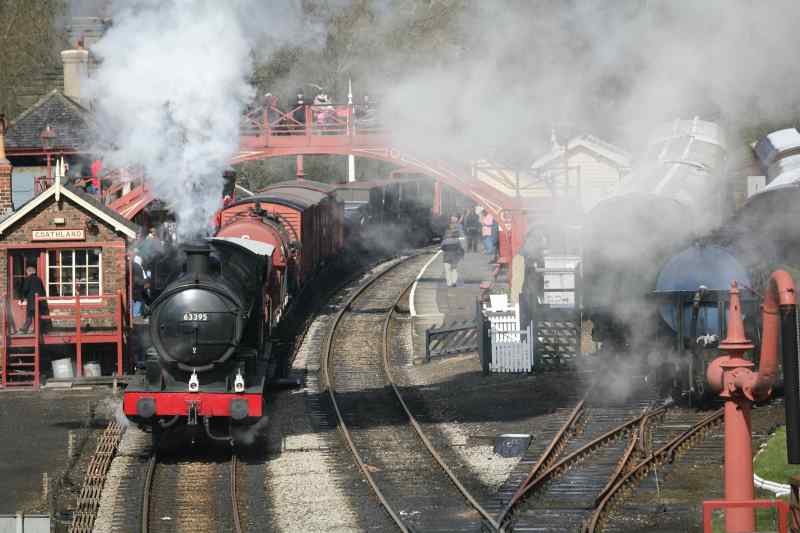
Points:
(632, 471)
(414, 485)
(558, 493)
(188, 496)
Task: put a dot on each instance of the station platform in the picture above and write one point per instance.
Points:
(433, 303)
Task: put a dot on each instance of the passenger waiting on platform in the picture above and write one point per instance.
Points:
(452, 252)
(323, 111)
(271, 106)
(472, 228)
(31, 287)
(487, 224)
(139, 280)
(299, 113)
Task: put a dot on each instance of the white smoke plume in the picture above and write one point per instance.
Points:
(171, 87)
(614, 69)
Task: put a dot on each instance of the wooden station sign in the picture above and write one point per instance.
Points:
(58, 235)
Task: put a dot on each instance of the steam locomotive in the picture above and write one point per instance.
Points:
(208, 338)
(656, 271)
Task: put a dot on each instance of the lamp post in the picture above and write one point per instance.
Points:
(47, 137)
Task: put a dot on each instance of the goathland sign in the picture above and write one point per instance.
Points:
(58, 235)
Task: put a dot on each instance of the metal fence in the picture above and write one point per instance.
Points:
(453, 338)
(461, 336)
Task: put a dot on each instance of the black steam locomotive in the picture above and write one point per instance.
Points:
(207, 343)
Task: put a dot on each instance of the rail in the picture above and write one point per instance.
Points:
(549, 455)
(415, 424)
(148, 489)
(664, 454)
(327, 371)
(237, 522)
(536, 480)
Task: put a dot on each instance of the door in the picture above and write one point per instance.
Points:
(19, 260)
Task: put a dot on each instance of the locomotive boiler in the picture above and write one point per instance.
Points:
(208, 359)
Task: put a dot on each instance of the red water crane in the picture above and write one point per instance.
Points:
(732, 376)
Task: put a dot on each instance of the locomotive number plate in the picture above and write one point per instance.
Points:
(195, 317)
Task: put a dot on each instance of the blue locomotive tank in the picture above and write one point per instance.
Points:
(711, 266)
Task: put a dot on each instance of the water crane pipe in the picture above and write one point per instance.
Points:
(731, 375)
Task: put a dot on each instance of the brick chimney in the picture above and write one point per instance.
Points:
(76, 68)
(6, 203)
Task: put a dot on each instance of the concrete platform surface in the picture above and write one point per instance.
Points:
(434, 303)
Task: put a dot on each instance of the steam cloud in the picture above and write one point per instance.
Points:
(614, 69)
(171, 88)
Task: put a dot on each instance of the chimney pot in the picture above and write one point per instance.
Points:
(76, 70)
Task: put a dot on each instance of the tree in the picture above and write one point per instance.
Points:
(29, 45)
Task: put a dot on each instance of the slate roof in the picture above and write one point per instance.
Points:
(73, 124)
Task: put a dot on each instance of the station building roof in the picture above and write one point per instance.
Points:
(85, 201)
(72, 124)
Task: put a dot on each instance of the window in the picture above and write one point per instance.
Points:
(71, 272)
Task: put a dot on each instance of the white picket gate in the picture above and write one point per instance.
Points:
(512, 350)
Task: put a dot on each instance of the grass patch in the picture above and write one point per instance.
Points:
(766, 520)
(771, 463)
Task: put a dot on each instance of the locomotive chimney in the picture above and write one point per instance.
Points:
(229, 184)
(197, 259)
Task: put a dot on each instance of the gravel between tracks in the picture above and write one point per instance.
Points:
(310, 480)
(305, 492)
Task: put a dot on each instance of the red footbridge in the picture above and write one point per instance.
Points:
(348, 130)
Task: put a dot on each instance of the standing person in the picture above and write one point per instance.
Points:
(452, 252)
(472, 227)
(487, 223)
(139, 278)
(495, 240)
(31, 287)
(273, 113)
(299, 113)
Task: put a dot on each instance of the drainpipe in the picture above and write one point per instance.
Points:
(732, 376)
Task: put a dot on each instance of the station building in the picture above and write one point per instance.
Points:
(80, 250)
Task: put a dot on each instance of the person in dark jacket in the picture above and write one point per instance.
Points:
(139, 279)
(452, 252)
(472, 227)
(31, 287)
